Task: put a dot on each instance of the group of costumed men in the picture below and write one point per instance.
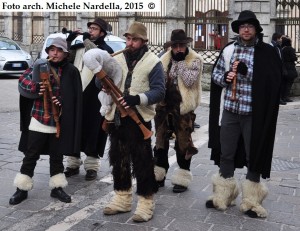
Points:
(135, 87)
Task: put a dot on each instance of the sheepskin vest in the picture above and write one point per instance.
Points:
(139, 84)
(191, 96)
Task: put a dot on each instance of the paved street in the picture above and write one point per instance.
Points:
(185, 211)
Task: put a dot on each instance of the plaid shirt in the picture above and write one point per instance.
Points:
(242, 105)
(27, 84)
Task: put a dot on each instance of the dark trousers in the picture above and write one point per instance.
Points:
(131, 155)
(232, 127)
(166, 123)
(39, 143)
(286, 86)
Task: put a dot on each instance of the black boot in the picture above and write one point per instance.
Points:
(71, 171)
(91, 175)
(60, 194)
(18, 197)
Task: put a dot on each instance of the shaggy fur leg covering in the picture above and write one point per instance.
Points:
(92, 163)
(252, 196)
(160, 173)
(120, 203)
(73, 162)
(23, 182)
(225, 191)
(58, 181)
(182, 177)
(144, 209)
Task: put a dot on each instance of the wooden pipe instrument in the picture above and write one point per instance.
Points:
(47, 97)
(233, 87)
(116, 94)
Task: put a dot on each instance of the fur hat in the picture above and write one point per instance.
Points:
(101, 23)
(137, 30)
(179, 36)
(59, 43)
(246, 16)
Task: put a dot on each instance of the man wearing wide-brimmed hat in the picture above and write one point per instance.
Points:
(249, 73)
(93, 136)
(183, 71)
(130, 152)
(44, 129)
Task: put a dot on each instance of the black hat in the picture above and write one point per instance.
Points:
(178, 36)
(101, 23)
(246, 16)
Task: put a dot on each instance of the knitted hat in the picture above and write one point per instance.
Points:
(179, 36)
(59, 43)
(137, 30)
(101, 23)
(246, 16)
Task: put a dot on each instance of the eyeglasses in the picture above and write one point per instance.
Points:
(93, 28)
(246, 26)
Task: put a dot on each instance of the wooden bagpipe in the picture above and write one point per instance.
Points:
(116, 94)
(105, 67)
(44, 70)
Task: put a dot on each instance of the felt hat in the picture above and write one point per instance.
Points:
(137, 30)
(246, 16)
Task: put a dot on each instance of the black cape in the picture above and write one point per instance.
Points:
(71, 116)
(265, 105)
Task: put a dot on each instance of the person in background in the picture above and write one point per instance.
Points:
(166, 47)
(175, 114)
(276, 43)
(248, 71)
(93, 136)
(290, 73)
(54, 132)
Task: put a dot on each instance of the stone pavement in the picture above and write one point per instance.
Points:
(185, 211)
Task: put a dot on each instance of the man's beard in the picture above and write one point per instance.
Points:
(179, 56)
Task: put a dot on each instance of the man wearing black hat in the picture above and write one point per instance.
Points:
(93, 136)
(249, 73)
(183, 71)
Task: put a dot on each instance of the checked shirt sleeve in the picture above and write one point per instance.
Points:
(27, 84)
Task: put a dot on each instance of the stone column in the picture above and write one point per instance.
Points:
(85, 18)
(125, 19)
(175, 16)
(8, 25)
(265, 11)
(27, 30)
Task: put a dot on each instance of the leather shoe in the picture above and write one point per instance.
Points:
(71, 171)
(18, 197)
(161, 183)
(91, 175)
(60, 194)
(281, 102)
(288, 100)
(179, 188)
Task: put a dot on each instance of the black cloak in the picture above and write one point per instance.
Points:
(71, 115)
(265, 105)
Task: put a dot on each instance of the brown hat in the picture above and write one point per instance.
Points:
(137, 30)
(101, 23)
(58, 42)
(179, 36)
(246, 16)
